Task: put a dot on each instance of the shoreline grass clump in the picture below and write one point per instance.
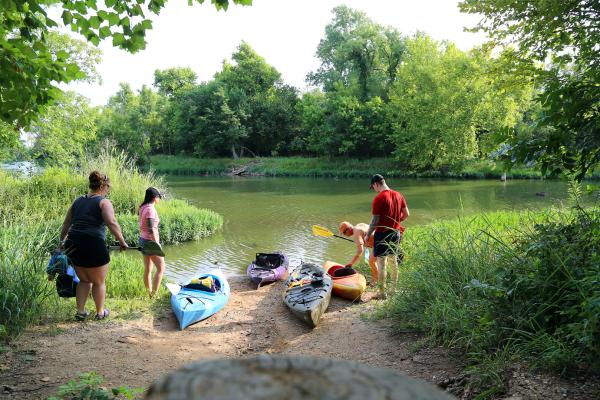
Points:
(32, 209)
(506, 287)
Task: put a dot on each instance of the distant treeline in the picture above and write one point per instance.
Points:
(423, 103)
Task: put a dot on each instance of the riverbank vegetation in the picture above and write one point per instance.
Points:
(325, 167)
(31, 212)
(506, 288)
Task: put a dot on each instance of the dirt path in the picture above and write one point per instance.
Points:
(134, 353)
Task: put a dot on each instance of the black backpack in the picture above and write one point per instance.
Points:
(65, 285)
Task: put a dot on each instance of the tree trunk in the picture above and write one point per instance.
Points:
(233, 153)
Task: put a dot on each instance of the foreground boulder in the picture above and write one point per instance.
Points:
(288, 377)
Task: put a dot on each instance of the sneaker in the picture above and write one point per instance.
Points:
(105, 314)
(81, 316)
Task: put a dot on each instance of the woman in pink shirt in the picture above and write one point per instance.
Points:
(148, 221)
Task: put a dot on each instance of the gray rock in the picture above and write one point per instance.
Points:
(268, 377)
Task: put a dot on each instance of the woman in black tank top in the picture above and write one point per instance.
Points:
(83, 236)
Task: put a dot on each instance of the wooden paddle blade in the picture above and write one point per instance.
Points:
(173, 288)
(321, 231)
(151, 248)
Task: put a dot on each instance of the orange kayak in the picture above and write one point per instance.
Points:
(347, 282)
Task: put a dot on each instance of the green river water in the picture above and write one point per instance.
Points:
(276, 214)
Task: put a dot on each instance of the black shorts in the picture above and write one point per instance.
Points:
(86, 251)
(386, 243)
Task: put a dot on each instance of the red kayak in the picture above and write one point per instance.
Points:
(347, 282)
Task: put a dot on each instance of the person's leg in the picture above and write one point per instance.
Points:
(381, 274)
(148, 273)
(83, 288)
(159, 263)
(373, 265)
(97, 276)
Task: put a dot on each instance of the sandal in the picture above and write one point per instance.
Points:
(105, 314)
(81, 316)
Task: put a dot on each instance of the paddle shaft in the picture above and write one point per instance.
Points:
(128, 248)
(341, 237)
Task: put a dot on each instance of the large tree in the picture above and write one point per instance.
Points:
(64, 131)
(359, 54)
(171, 81)
(563, 37)
(447, 104)
(29, 69)
(134, 122)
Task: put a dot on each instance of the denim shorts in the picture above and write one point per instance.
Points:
(386, 243)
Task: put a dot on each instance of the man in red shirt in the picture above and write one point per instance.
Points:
(389, 209)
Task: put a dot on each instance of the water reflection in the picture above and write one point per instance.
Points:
(276, 214)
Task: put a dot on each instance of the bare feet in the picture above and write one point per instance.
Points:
(379, 296)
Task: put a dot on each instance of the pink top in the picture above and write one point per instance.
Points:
(148, 211)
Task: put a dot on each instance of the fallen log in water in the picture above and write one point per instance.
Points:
(288, 377)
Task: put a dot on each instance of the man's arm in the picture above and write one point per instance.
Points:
(404, 213)
(360, 248)
(374, 222)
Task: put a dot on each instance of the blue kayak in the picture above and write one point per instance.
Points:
(200, 298)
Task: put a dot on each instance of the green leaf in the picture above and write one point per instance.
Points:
(67, 17)
(104, 32)
(113, 19)
(95, 22)
(81, 7)
(118, 39)
(146, 24)
(62, 55)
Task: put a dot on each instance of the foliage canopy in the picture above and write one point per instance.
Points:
(30, 69)
(563, 37)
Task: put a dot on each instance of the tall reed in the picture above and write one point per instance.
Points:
(23, 287)
(505, 284)
(32, 210)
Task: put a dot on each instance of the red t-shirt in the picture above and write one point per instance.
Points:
(388, 205)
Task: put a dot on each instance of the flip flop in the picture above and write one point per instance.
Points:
(105, 314)
(81, 316)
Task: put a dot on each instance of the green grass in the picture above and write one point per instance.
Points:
(506, 285)
(32, 210)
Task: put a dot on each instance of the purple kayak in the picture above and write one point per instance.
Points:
(267, 268)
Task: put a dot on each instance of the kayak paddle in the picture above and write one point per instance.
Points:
(324, 232)
(150, 248)
(174, 288)
(119, 248)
